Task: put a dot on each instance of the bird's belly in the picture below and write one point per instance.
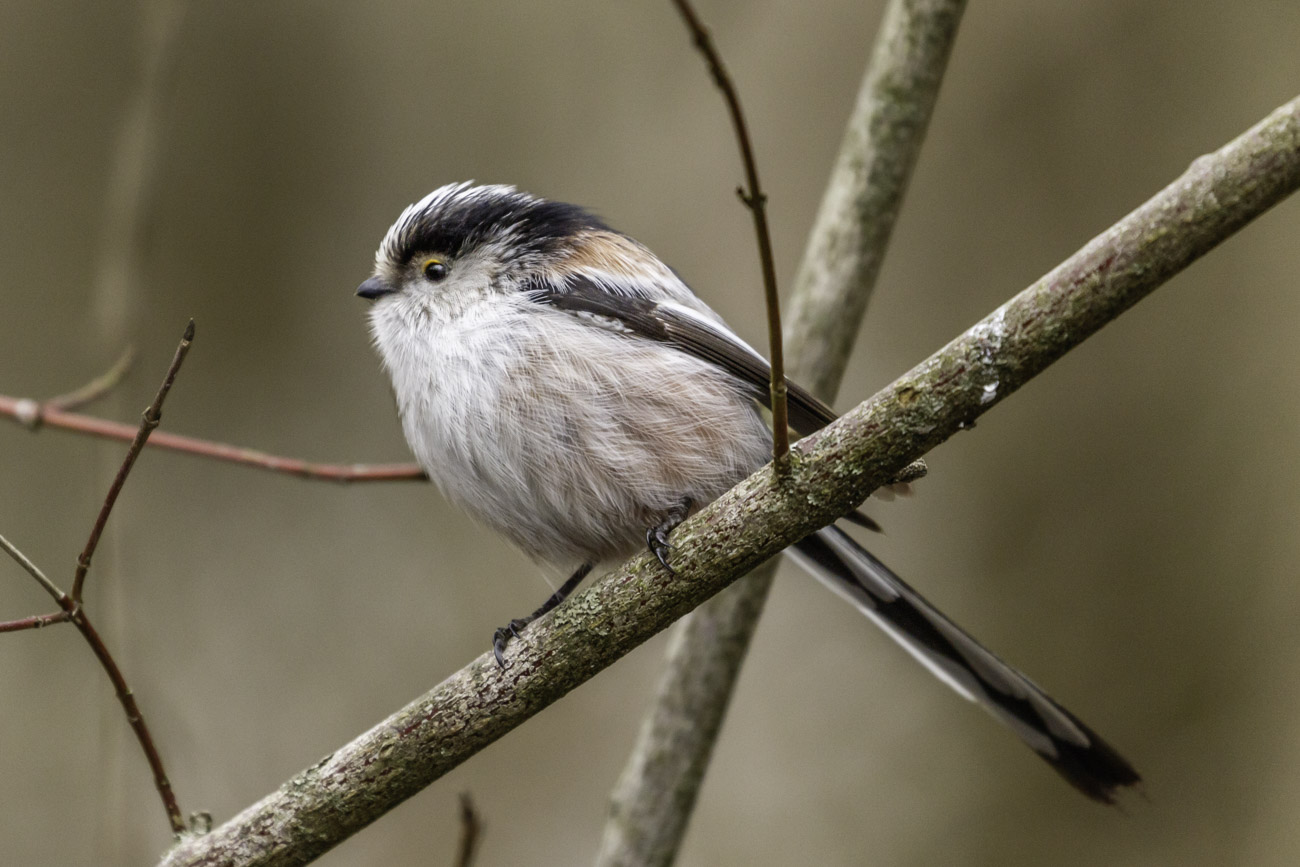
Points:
(574, 454)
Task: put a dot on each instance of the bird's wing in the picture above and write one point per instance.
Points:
(691, 332)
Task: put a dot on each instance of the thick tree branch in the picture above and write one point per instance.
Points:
(829, 473)
(652, 803)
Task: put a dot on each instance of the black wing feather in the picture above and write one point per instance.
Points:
(1075, 751)
(656, 321)
(653, 320)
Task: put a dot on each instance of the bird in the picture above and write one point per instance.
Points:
(567, 389)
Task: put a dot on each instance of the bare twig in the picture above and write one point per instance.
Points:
(37, 621)
(756, 200)
(148, 421)
(72, 611)
(655, 795)
(134, 158)
(471, 831)
(830, 472)
(31, 413)
(55, 412)
(133, 715)
(31, 569)
(97, 387)
(71, 603)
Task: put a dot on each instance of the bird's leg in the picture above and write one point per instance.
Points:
(512, 629)
(656, 538)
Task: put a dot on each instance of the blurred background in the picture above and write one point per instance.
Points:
(1123, 528)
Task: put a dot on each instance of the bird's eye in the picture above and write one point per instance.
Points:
(434, 270)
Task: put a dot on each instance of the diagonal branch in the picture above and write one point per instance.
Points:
(655, 795)
(148, 421)
(96, 388)
(31, 569)
(830, 472)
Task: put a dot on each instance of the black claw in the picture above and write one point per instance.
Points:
(502, 636)
(499, 640)
(657, 541)
(656, 538)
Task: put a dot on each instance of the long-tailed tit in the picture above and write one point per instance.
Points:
(564, 386)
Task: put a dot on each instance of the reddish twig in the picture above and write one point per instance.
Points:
(34, 414)
(35, 622)
(756, 200)
(148, 421)
(72, 611)
(133, 714)
(70, 604)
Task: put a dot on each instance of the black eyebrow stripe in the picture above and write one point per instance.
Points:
(458, 224)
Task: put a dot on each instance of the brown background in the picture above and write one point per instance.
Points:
(1123, 528)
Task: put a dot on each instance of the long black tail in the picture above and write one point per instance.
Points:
(1089, 763)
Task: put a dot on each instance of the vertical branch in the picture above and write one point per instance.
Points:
(135, 157)
(133, 167)
(756, 200)
(653, 800)
(882, 142)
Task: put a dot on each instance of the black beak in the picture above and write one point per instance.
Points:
(375, 288)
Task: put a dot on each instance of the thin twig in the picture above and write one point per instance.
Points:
(71, 603)
(97, 387)
(135, 155)
(133, 715)
(31, 569)
(756, 200)
(148, 421)
(471, 831)
(37, 621)
(72, 611)
(836, 469)
(25, 411)
(56, 413)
